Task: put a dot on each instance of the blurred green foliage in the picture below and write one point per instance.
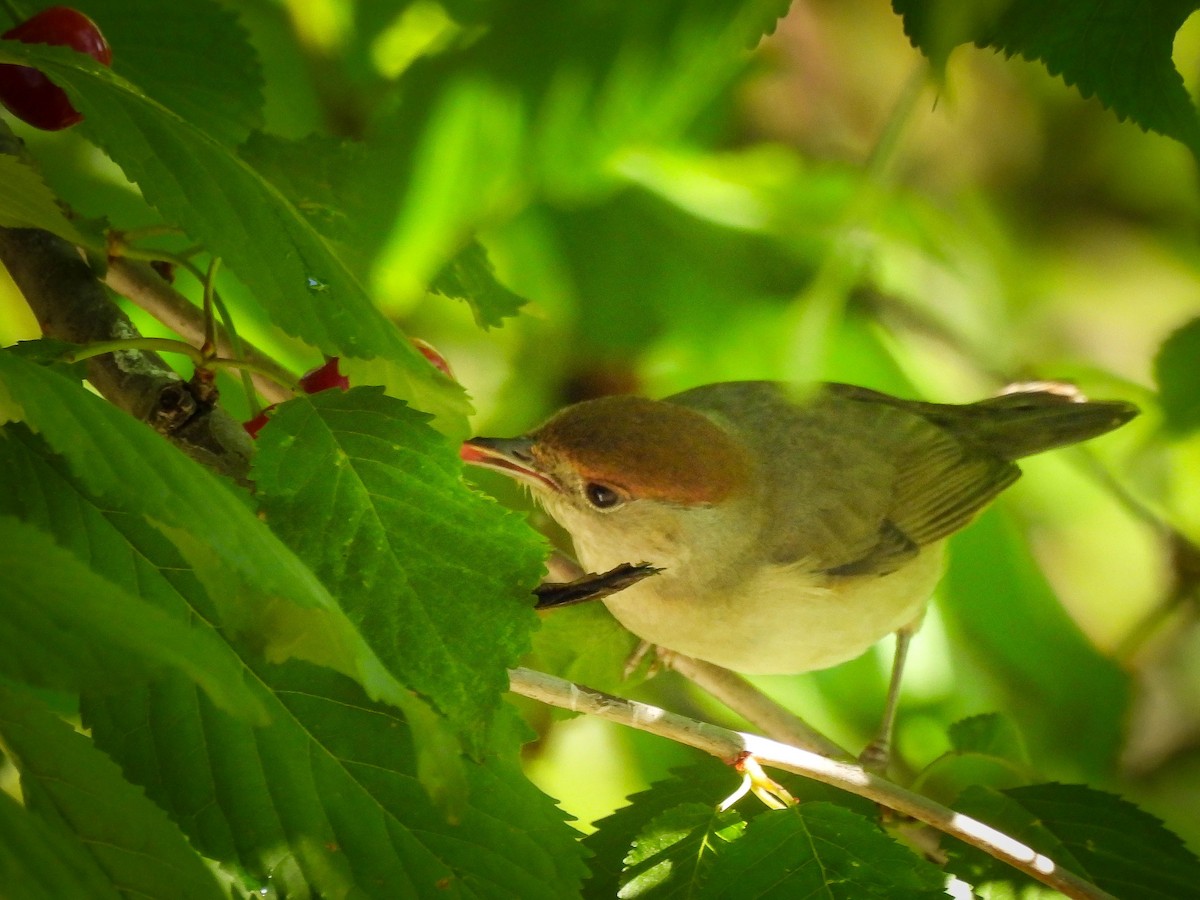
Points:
(653, 196)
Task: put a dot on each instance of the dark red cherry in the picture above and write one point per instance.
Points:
(27, 93)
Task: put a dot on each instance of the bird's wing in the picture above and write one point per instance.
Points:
(858, 481)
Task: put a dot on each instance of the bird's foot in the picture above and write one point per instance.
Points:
(759, 783)
(876, 756)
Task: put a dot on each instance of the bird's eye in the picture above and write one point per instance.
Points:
(601, 496)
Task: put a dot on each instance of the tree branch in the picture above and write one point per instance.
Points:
(778, 722)
(728, 746)
(70, 304)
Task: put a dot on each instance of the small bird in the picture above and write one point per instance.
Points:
(793, 528)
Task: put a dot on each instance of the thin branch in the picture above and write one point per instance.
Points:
(729, 746)
(145, 287)
(778, 722)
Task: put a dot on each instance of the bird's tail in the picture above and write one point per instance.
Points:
(1033, 417)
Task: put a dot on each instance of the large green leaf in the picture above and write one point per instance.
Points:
(437, 577)
(332, 792)
(64, 626)
(673, 853)
(705, 784)
(1100, 836)
(199, 183)
(820, 850)
(39, 861)
(1120, 50)
(259, 587)
(65, 780)
(326, 799)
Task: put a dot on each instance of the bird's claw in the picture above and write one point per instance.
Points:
(754, 780)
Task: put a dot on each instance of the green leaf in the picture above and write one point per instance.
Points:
(672, 854)
(325, 801)
(39, 861)
(68, 783)
(437, 577)
(26, 202)
(198, 61)
(469, 276)
(323, 178)
(332, 791)
(987, 750)
(66, 627)
(261, 589)
(992, 734)
(1177, 372)
(998, 604)
(820, 850)
(198, 182)
(1119, 51)
(706, 783)
(1098, 835)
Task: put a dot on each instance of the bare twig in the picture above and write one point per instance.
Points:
(729, 746)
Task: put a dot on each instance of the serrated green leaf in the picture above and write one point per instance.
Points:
(265, 592)
(1120, 51)
(66, 627)
(300, 800)
(326, 799)
(1100, 836)
(469, 276)
(672, 854)
(820, 850)
(434, 574)
(26, 202)
(997, 602)
(1177, 373)
(197, 62)
(316, 173)
(39, 861)
(67, 782)
(707, 783)
(197, 182)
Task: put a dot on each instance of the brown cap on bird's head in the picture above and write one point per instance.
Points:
(649, 448)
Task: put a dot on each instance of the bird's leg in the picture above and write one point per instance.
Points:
(878, 753)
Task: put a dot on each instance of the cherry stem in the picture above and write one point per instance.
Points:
(209, 347)
(121, 241)
(119, 246)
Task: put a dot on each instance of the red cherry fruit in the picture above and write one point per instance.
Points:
(324, 377)
(27, 93)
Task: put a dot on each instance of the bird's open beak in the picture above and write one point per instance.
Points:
(512, 456)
